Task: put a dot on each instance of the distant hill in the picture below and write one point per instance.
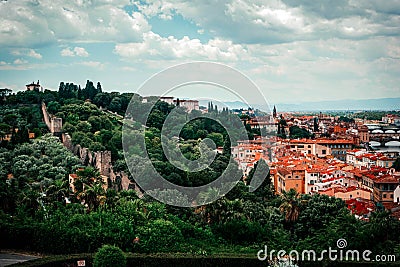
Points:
(347, 104)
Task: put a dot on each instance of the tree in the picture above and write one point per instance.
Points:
(396, 164)
(316, 128)
(89, 188)
(159, 236)
(84, 126)
(99, 90)
(217, 138)
(57, 191)
(297, 132)
(115, 104)
(109, 256)
(290, 206)
(102, 100)
(53, 107)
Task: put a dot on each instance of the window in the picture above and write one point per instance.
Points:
(323, 151)
(309, 146)
(309, 151)
(297, 185)
(351, 196)
(391, 195)
(384, 195)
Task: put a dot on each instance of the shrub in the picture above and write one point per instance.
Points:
(109, 256)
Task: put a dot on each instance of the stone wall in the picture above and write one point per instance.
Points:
(53, 123)
(99, 159)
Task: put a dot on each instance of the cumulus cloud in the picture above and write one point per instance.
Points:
(26, 52)
(92, 64)
(19, 61)
(77, 51)
(154, 45)
(31, 23)
(281, 21)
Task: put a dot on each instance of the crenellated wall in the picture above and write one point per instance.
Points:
(53, 123)
(101, 160)
(98, 159)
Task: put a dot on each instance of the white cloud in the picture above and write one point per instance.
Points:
(77, 51)
(34, 54)
(81, 52)
(26, 52)
(281, 21)
(67, 52)
(20, 61)
(155, 46)
(31, 23)
(92, 64)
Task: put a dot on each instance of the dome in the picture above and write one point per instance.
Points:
(390, 131)
(377, 131)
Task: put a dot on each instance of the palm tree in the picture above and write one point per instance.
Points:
(57, 191)
(222, 211)
(290, 206)
(93, 195)
(30, 199)
(89, 188)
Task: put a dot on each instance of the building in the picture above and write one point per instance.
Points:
(363, 133)
(339, 147)
(347, 193)
(384, 188)
(362, 158)
(307, 146)
(290, 178)
(185, 103)
(262, 122)
(34, 87)
(188, 104)
(167, 99)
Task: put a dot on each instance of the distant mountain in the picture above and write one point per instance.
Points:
(347, 104)
(230, 105)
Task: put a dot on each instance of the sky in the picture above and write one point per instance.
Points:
(294, 51)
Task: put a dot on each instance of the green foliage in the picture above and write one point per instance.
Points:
(159, 236)
(297, 132)
(34, 189)
(396, 164)
(346, 119)
(109, 256)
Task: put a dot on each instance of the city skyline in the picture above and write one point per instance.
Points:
(294, 51)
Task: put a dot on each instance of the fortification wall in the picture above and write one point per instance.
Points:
(98, 159)
(54, 124)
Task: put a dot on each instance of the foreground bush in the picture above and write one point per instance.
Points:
(109, 256)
